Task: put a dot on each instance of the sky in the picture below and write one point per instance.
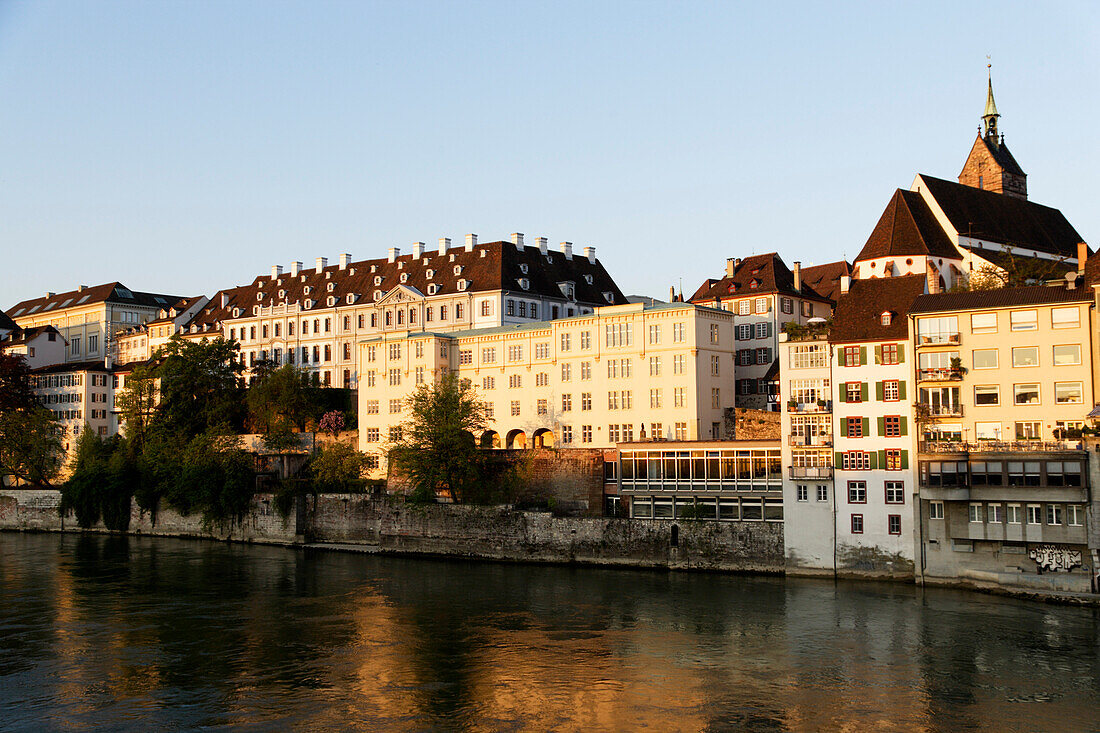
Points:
(183, 147)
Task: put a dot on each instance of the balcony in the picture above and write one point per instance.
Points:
(817, 472)
(810, 441)
(820, 406)
(939, 374)
(938, 339)
(934, 411)
(998, 446)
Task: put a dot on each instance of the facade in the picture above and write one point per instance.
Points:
(88, 318)
(139, 343)
(39, 345)
(762, 294)
(81, 396)
(314, 318)
(617, 375)
(1005, 385)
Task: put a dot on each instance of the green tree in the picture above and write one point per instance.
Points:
(437, 449)
(336, 467)
(137, 403)
(101, 483)
(278, 402)
(201, 389)
(30, 437)
(1013, 271)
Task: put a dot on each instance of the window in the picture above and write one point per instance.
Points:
(985, 358)
(1068, 317)
(93, 344)
(566, 372)
(853, 427)
(678, 364)
(763, 355)
(786, 305)
(681, 430)
(891, 391)
(714, 365)
(856, 461)
(442, 312)
(1075, 515)
(1034, 514)
(395, 352)
(567, 434)
(541, 407)
(542, 350)
(678, 397)
(74, 345)
(565, 342)
(458, 306)
(586, 340)
(515, 352)
(489, 355)
(1029, 430)
(1023, 320)
(987, 394)
(1067, 354)
(395, 377)
(566, 403)
(822, 492)
(420, 375)
(677, 333)
(1068, 393)
(995, 514)
(373, 435)
(515, 381)
(1013, 513)
(542, 379)
(715, 398)
(654, 366)
(891, 426)
(586, 433)
(761, 305)
(801, 492)
(983, 323)
(851, 356)
(486, 308)
(893, 524)
(857, 524)
(744, 307)
(895, 459)
(586, 370)
(654, 334)
(853, 392)
(586, 401)
(618, 334)
(714, 331)
(857, 492)
(975, 514)
(935, 510)
(806, 357)
(1054, 514)
(1025, 356)
(465, 356)
(395, 406)
(655, 399)
(488, 383)
(1026, 394)
(515, 408)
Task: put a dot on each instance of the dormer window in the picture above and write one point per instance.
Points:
(307, 290)
(377, 279)
(236, 312)
(373, 269)
(609, 297)
(433, 289)
(331, 287)
(378, 295)
(462, 284)
(404, 277)
(331, 301)
(550, 259)
(458, 269)
(350, 298)
(523, 268)
(282, 294)
(524, 283)
(430, 274)
(259, 296)
(588, 279)
(303, 278)
(886, 318)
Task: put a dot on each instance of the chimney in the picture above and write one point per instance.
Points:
(541, 241)
(345, 260)
(81, 288)
(395, 252)
(1082, 255)
(471, 242)
(224, 300)
(276, 270)
(444, 245)
(295, 268)
(671, 293)
(567, 250)
(322, 263)
(736, 262)
(50, 294)
(731, 266)
(590, 253)
(418, 250)
(797, 271)
(1071, 280)
(517, 239)
(845, 283)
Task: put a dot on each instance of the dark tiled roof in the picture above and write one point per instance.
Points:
(96, 365)
(825, 279)
(907, 227)
(858, 313)
(1004, 158)
(6, 323)
(108, 292)
(489, 266)
(756, 275)
(1038, 268)
(1001, 298)
(1092, 270)
(1003, 219)
(26, 335)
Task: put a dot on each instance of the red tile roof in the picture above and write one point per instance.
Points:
(907, 227)
(825, 279)
(755, 275)
(114, 292)
(858, 313)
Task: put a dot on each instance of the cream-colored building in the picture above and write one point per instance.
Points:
(80, 395)
(140, 342)
(313, 318)
(619, 374)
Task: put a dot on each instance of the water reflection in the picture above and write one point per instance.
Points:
(135, 633)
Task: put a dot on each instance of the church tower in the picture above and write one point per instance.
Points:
(990, 165)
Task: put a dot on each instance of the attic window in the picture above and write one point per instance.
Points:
(433, 289)
(404, 277)
(259, 296)
(236, 312)
(351, 271)
(282, 294)
(303, 278)
(523, 268)
(350, 299)
(452, 258)
(377, 279)
(524, 283)
(430, 274)
(400, 265)
(307, 304)
(458, 269)
(754, 284)
(307, 290)
(482, 253)
(550, 259)
(378, 295)
(331, 301)
(462, 284)
(374, 268)
(588, 279)
(331, 287)
(609, 297)
(886, 317)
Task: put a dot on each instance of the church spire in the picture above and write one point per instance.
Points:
(989, 117)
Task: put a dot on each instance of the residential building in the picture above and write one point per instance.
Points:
(88, 317)
(1005, 385)
(314, 318)
(80, 394)
(139, 343)
(7, 326)
(762, 293)
(38, 345)
(617, 375)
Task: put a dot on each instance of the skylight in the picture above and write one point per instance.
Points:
(84, 299)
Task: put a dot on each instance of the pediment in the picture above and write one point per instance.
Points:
(401, 294)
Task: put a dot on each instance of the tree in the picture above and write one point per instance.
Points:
(332, 422)
(30, 437)
(278, 402)
(201, 389)
(137, 403)
(336, 467)
(102, 482)
(437, 449)
(1015, 271)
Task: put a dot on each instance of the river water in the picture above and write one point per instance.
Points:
(115, 633)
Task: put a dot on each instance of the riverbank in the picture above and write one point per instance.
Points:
(377, 524)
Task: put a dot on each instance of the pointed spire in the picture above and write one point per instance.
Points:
(989, 117)
(990, 105)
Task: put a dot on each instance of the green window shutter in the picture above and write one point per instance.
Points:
(874, 459)
(878, 353)
(863, 391)
(881, 459)
(901, 390)
(843, 395)
(878, 391)
(866, 427)
(901, 353)
(904, 453)
(862, 355)
(904, 426)
(838, 459)
(882, 426)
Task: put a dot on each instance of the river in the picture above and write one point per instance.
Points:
(116, 633)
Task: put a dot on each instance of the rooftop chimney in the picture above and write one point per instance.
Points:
(444, 245)
(1071, 280)
(797, 271)
(671, 293)
(295, 268)
(418, 250)
(567, 250)
(50, 294)
(322, 263)
(731, 265)
(224, 300)
(541, 241)
(590, 253)
(1082, 255)
(845, 283)
(395, 252)
(345, 260)
(517, 239)
(276, 270)
(471, 242)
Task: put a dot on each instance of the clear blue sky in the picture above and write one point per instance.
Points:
(183, 147)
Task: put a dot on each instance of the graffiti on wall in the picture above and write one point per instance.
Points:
(1053, 557)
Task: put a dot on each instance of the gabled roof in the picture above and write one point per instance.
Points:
(6, 323)
(755, 275)
(980, 214)
(1001, 298)
(1000, 153)
(858, 313)
(487, 267)
(77, 366)
(27, 335)
(825, 279)
(114, 292)
(907, 227)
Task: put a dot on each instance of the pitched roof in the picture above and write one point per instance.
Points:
(114, 292)
(1001, 298)
(6, 323)
(825, 279)
(981, 214)
(75, 366)
(489, 266)
(907, 227)
(755, 275)
(26, 335)
(858, 313)
(1001, 154)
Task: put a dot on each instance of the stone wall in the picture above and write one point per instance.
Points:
(743, 423)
